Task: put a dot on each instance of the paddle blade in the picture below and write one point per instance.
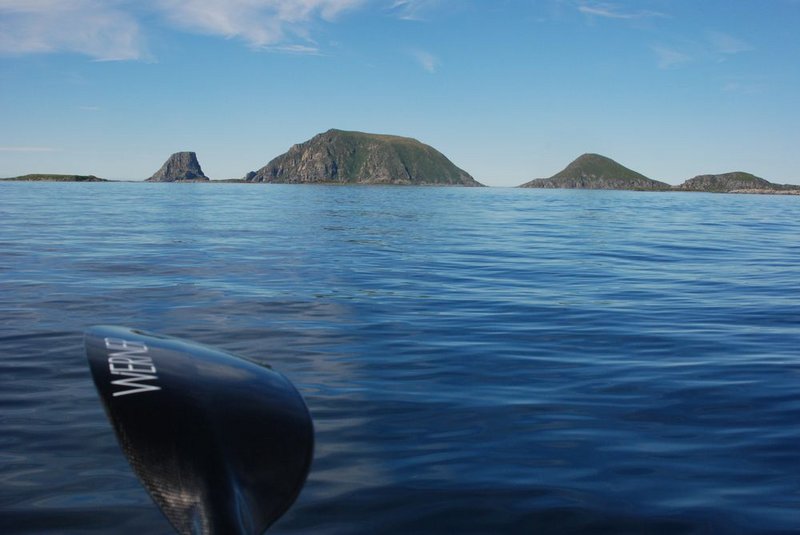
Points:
(222, 444)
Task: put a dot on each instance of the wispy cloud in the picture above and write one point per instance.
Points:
(614, 11)
(738, 87)
(412, 9)
(669, 58)
(712, 46)
(27, 149)
(113, 29)
(745, 86)
(260, 23)
(722, 43)
(304, 50)
(427, 61)
(98, 29)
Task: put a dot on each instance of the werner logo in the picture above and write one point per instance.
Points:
(130, 361)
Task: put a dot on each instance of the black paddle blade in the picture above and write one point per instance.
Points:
(222, 444)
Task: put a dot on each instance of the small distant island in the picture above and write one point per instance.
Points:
(736, 182)
(180, 167)
(593, 171)
(342, 157)
(351, 157)
(55, 178)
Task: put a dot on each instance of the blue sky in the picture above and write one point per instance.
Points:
(508, 90)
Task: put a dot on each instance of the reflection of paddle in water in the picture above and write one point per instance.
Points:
(223, 445)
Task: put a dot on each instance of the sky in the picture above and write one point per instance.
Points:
(509, 90)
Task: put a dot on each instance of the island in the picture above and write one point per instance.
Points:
(736, 182)
(180, 167)
(55, 178)
(349, 157)
(342, 157)
(593, 171)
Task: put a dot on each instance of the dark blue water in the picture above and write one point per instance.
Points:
(476, 360)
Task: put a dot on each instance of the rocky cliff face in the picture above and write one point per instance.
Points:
(181, 166)
(592, 171)
(728, 182)
(337, 156)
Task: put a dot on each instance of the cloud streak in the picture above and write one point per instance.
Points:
(715, 46)
(107, 30)
(426, 60)
(725, 44)
(259, 23)
(100, 30)
(669, 58)
(412, 9)
(744, 87)
(614, 11)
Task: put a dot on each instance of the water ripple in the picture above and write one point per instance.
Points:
(476, 361)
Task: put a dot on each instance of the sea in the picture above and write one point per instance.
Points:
(476, 360)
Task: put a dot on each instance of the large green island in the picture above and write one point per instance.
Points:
(342, 157)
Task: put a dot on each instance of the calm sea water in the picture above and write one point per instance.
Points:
(476, 360)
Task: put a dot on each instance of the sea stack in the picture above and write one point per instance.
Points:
(593, 171)
(342, 157)
(180, 167)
